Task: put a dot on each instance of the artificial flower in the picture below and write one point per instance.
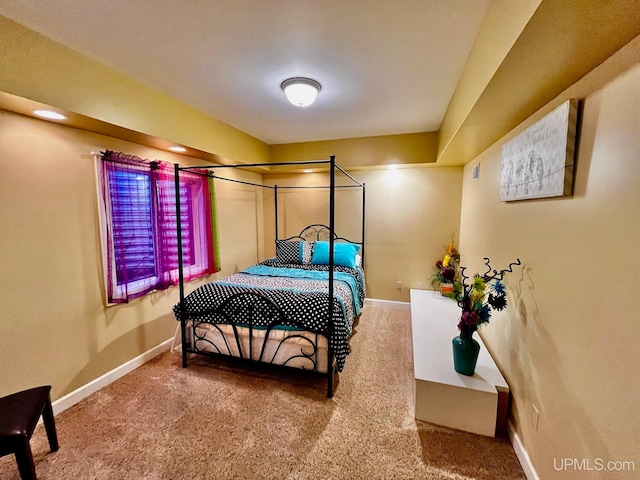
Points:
(499, 302)
(446, 270)
(448, 274)
(478, 284)
(499, 287)
(477, 298)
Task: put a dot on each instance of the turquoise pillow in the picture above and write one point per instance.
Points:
(344, 254)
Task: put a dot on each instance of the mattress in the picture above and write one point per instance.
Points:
(291, 348)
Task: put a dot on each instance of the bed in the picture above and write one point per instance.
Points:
(295, 310)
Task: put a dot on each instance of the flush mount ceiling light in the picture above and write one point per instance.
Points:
(300, 91)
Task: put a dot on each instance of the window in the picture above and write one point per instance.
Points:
(138, 219)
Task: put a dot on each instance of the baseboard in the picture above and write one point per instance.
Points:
(521, 453)
(387, 303)
(74, 397)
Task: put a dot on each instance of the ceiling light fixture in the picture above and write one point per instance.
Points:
(178, 149)
(49, 115)
(301, 91)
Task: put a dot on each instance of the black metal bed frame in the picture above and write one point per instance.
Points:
(256, 305)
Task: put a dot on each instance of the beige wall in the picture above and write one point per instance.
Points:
(39, 69)
(411, 214)
(500, 29)
(407, 149)
(568, 342)
(54, 326)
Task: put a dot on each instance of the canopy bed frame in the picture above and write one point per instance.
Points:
(260, 325)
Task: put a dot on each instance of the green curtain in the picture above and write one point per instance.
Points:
(215, 235)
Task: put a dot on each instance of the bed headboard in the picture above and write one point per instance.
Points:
(318, 232)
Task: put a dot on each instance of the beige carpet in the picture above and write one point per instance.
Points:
(219, 420)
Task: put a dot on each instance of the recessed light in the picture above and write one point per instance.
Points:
(50, 115)
(178, 149)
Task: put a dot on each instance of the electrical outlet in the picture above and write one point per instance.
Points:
(398, 285)
(420, 286)
(535, 416)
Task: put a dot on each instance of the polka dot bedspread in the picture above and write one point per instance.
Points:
(290, 295)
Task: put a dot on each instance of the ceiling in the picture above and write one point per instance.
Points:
(385, 67)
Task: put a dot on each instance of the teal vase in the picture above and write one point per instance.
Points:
(465, 353)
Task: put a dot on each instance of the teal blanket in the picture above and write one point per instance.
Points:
(267, 271)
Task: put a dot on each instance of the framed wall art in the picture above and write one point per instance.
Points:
(539, 162)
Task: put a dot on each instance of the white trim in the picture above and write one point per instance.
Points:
(387, 303)
(521, 453)
(93, 386)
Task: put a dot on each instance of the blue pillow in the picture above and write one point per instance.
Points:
(344, 254)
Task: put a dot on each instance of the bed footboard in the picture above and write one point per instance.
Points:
(252, 328)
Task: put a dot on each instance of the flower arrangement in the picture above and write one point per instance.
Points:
(477, 297)
(446, 271)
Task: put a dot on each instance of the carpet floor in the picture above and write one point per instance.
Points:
(218, 419)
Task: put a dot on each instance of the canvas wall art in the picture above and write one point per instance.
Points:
(539, 162)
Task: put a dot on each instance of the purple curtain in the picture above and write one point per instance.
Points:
(139, 225)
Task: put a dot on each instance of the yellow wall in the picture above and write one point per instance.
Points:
(54, 326)
(568, 341)
(527, 53)
(36, 68)
(500, 29)
(407, 149)
(411, 214)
